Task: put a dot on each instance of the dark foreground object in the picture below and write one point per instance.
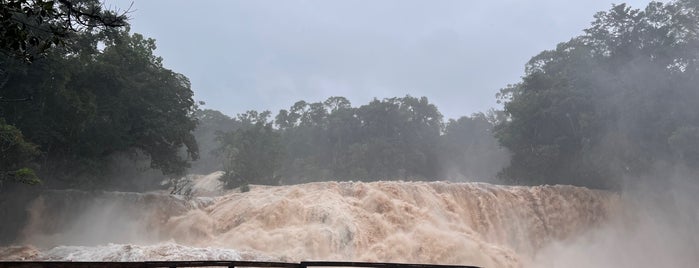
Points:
(149, 264)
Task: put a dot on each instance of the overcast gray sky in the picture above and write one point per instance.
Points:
(266, 55)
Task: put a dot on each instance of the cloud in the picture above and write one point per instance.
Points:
(244, 55)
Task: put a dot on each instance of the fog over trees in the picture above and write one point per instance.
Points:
(395, 138)
(93, 107)
(107, 154)
(618, 101)
(85, 104)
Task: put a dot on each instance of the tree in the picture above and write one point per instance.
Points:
(210, 125)
(468, 149)
(392, 138)
(252, 153)
(401, 135)
(385, 139)
(30, 27)
(27, 30)
(89, 104)
(605, 104)
(16, 155)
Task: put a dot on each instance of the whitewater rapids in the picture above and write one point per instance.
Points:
(388, 221)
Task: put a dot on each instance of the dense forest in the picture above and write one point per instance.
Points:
(394, 138)
(85, 103)
(619, 101)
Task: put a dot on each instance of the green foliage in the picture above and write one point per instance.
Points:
(16, 156)
(385, 139)
(210, 124)
(30, 27)
(394, 138)
(89, 104)
(605, 104)
(468, 149)
(252, 153)
(26, 175)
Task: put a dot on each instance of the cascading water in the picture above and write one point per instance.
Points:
(390, 221)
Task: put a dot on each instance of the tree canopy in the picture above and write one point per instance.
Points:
(16, 155)
(394, 138)
(28, 28)
(616, 101)
(85, 103)
(252, 152)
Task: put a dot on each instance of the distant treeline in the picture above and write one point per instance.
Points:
(619, 101)
(102, 112)
(91, 106)
(97, 109)
(395, 138)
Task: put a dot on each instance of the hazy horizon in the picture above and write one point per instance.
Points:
(243, 55)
